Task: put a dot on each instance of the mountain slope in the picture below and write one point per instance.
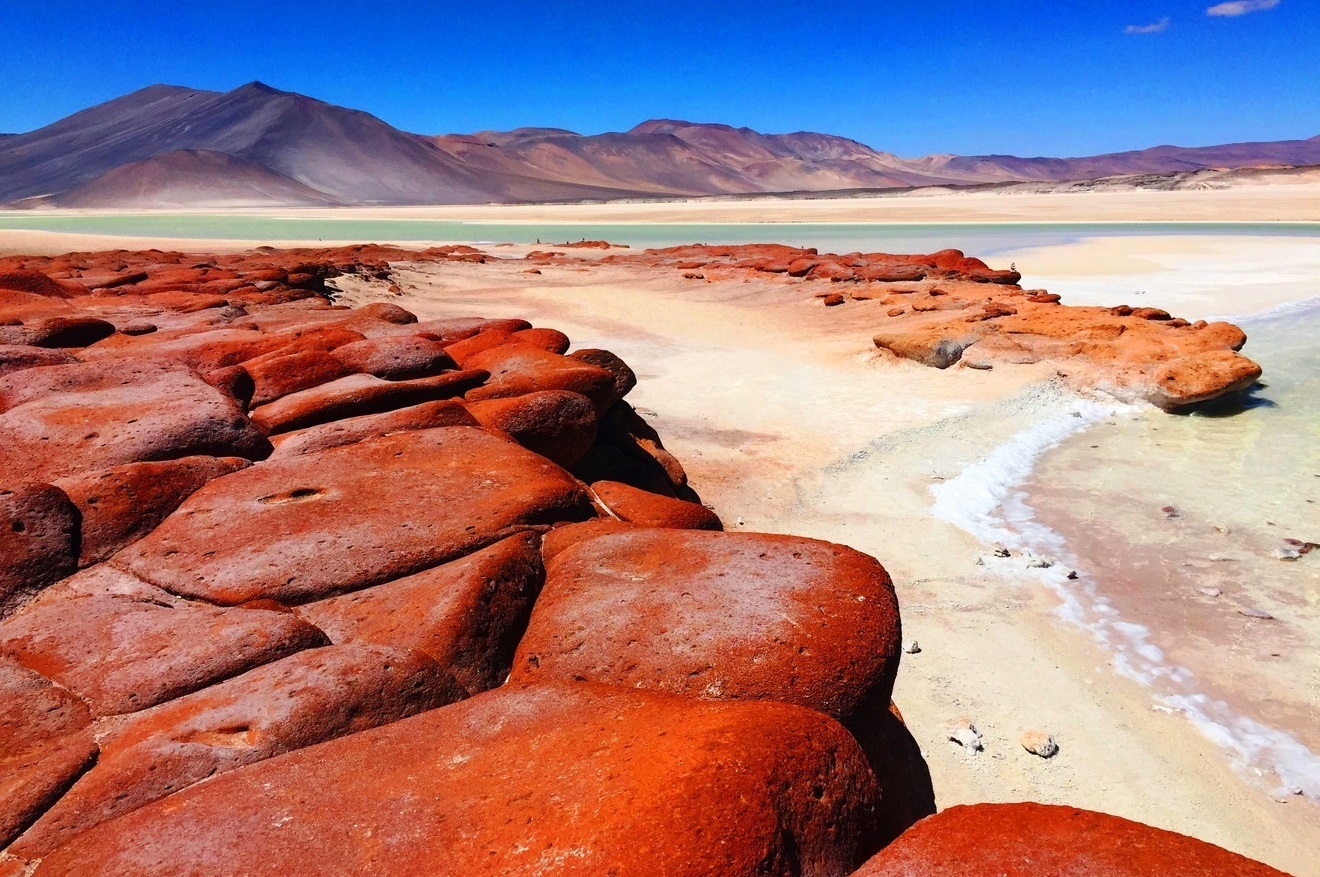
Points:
(186, 177)
(172, 146)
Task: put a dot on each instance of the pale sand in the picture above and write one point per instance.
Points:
(787, 421)
(1284, 199)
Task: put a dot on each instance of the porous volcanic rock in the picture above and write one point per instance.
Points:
(38, 540)
(468, 614)
(64, 419)
(122, 645)
(30, 781)
(358, 395)
(428, 415)
(307, 527)
(718, 615)
(122, 504)
(307, 698)
(557, 424)
(1027, 840)
(524, 780)
(412, 356)
(646, 509)
(35, 709)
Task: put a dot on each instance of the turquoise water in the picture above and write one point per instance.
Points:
(980, 238)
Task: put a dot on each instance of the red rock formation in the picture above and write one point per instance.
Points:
(1027, 840)
(544, 780)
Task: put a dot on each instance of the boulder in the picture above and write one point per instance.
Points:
(743, 616)
(395, 358)
(625, 379)
(1188, 380)
(647, 509)
(61, 420)
(122, 504)
(122, 645)
(308, 527)
(1025, 840)
(428, 415)
(467, 614)
(523, 780)
(518, 368)
(38, 540)
(557, 424)
(307, 698)
(277, 376)
(357, 395)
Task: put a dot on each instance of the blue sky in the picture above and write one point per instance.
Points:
(1032, 78)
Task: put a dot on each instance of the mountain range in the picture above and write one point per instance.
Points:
(169, 146)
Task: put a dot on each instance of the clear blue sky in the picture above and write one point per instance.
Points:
(1055, 77)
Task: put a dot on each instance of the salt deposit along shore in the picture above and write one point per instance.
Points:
(788, 420)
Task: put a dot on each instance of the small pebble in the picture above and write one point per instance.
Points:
(1170, 512)
(1072, 575)
(1210, 592)
(1039, 563)
(1256, 613)
(1040, 743)
(968, 739)
(912, 648)
(1001, 551)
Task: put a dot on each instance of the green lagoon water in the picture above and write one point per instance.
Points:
(977, 238)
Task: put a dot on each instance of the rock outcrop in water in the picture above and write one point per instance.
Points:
(291, 588)
(948, 309)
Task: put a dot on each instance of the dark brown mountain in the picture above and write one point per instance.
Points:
(172, 146)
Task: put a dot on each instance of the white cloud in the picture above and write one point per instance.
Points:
(1240, 7)
(1158, 27)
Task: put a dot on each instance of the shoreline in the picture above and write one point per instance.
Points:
(807, 430)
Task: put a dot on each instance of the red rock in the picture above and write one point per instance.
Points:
(646, 509)
(463, 350)
(467, 614)
(832, 271)
(986, 275)
(833, 299)
(61, 420)
(935, 349)
(32, 780)
(278, 375)
(892, 272)
(800, 267)
(1191, 379)
(551, 340)
(517, 369)
(1046, 298)
(1025, 840)
(35, 709)
(624, 428)
(718, 615)
(120, 505)
(428, 415)
(61, 331)
(357, 395)
(565, 536)
(123, 645)
(395, 358)
(541, 780)
(1151, 314)
(624, 377)
(308, 698)
(38, 540)
(307, 527)
(16, 357)
(557, 424)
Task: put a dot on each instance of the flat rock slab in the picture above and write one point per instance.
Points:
(357, 395)
(467, 614)
(316, 525)
(718, 615)
(61, 420)
(123, 645)
(518, 368)
(525, 780)
(428, 415)
(1027, 840)
(308, 698)
(646, 509)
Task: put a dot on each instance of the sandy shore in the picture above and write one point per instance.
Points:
(788, 421)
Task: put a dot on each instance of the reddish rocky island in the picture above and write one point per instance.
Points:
(292, 588)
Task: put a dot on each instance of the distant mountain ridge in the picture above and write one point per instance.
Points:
(173, 146)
